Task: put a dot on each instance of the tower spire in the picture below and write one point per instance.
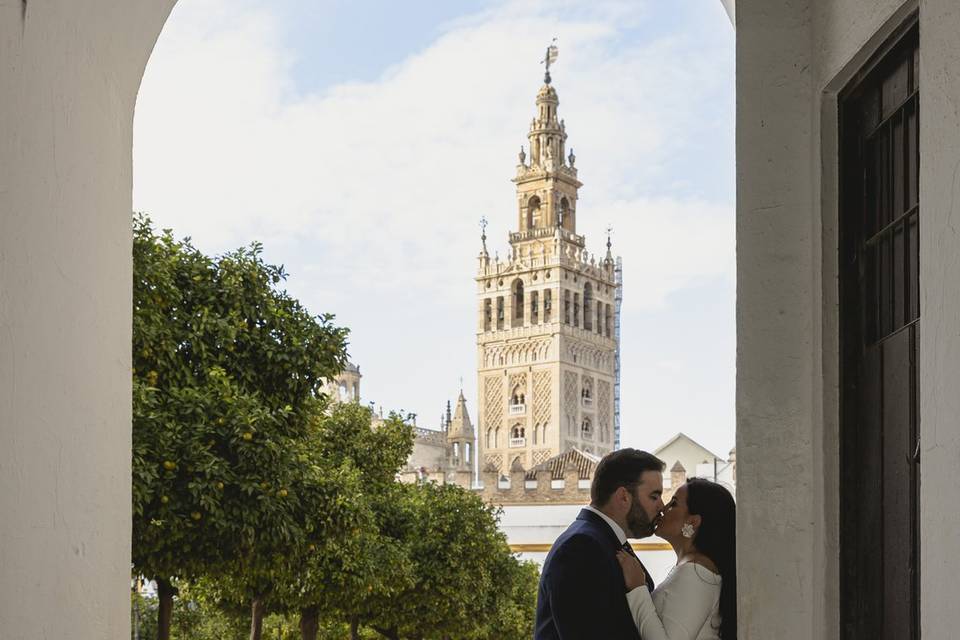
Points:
(546, 178)
(549, 58)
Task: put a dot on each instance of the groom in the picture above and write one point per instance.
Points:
(582, 595)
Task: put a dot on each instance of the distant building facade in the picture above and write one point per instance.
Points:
(446, 455)
(546, 342)
(345, 387)
(685, 457)
(563, 479)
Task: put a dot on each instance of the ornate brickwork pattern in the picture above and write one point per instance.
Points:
(541, 456)
(493, 460)
(493, 402)
(588, 355)
(502, 355)
(571, 396)
(603, 410)
(541, 397)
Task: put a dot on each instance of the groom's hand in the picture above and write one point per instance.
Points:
(633, 574)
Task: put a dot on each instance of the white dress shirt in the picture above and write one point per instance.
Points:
(617, 529)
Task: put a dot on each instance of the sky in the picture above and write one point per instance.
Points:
(361, 142)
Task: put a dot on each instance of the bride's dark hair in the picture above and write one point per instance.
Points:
(716, 538)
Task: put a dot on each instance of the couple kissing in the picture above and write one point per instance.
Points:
(593, 586)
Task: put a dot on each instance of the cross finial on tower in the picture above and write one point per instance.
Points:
(483, 233)
(550, 58)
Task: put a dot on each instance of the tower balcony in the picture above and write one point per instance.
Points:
(539, 233)
(517, 442)
(587, 402)
(518, 409)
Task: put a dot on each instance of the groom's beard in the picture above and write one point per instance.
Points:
(640, 525)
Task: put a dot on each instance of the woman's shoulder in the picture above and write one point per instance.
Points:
(696, 570)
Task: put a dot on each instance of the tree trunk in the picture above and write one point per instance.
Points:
(256, 619)
(309, 623)
(354, 629)
(390, 634)
(165, 593)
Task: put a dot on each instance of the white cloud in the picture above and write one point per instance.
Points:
(372, 191)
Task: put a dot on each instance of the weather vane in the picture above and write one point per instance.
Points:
(609, 231)
(550, 58)
(483, 232)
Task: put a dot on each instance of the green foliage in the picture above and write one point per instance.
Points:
(196, 617)
(246, 486)
(465, 577)
(227, 369)
(340, 572)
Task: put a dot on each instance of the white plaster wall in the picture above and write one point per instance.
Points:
(688, 452)
(939, 316)
(792, 58)
(775, 321)
(68, 81)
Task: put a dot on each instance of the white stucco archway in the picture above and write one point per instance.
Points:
(69, 81)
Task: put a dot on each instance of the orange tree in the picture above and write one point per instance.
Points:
(340, 577)
(227, 369)
(465, 582)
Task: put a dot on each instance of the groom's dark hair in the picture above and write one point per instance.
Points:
(621, 468)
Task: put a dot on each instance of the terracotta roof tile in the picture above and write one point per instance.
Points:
(583, 462)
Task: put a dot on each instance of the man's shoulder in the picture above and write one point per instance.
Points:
(580, 536)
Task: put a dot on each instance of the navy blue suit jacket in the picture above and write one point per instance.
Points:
(582, 594)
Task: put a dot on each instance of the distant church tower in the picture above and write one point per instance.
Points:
(545, 335)
(460, 443)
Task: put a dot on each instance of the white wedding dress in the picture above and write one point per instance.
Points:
(685, 606)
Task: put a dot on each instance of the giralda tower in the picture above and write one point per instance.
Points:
(546, 313)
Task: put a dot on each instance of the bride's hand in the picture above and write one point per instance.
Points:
(633, 574)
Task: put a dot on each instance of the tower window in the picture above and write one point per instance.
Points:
(499, 312)
(576, 309)
(534, 307)
(487, 314)
(599, 318)
(547, 304)
(518, 303)
(533, 213)
(586, 428)
(566, 306)
(587, 303)
(607, 318)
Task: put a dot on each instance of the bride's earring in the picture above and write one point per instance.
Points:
(687, 530)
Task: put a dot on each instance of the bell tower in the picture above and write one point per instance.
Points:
(546, 314)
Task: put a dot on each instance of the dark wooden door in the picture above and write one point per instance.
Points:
(879, 331)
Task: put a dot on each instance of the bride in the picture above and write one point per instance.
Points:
(698, 599)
